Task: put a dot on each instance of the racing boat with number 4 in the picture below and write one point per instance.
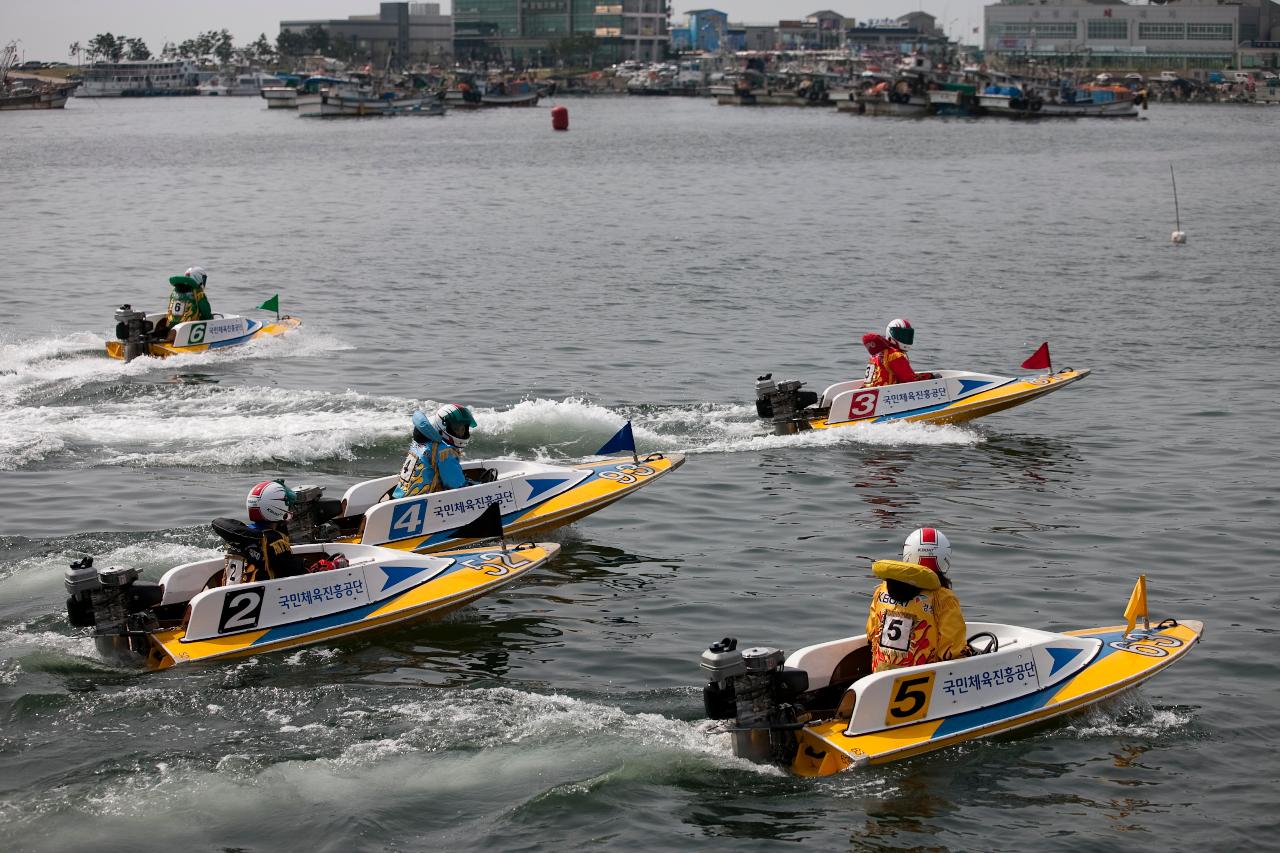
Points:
(821, 710)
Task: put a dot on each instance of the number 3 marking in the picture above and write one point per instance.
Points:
(863, 403)
(911, 695)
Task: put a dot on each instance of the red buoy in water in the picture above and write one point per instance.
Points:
(559, 118)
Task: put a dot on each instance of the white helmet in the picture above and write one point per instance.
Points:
(270, 500)
(198, 274)
(929, 548)
(899, 331)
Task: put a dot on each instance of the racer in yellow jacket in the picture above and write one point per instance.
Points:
(915, 618)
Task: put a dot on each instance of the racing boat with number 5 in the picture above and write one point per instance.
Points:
(821, 710)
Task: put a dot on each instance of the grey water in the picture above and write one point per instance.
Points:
(646, 265)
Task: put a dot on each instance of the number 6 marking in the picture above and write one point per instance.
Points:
(197, 333)
(863, 403)
(911, 695)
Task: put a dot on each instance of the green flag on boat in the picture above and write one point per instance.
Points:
(272, 304)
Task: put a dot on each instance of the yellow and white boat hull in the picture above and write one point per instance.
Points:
(204, 335)
(953, 396)
(821, 710)
(193, 621)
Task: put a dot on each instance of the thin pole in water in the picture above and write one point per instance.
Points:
(1179, 236)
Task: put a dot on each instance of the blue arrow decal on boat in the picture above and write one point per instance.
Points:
(1061, 657)
(539, 486)
(967, 385)
(398, 574)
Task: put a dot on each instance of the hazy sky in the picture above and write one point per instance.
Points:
(44, 28)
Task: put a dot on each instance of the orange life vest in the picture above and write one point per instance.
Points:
(879, 371)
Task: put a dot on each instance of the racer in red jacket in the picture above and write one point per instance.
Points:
(889, 364)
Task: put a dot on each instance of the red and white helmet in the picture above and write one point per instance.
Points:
(899, 331)
(929, 548)
(269, 501)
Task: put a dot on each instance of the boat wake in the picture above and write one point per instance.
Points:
(64, 403)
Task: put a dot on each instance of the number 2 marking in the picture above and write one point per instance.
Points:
(240, 610)
(863, 403)
(910, 698)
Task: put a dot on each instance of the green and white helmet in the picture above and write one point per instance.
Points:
(454, 423)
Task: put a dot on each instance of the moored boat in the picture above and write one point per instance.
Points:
(821, 709)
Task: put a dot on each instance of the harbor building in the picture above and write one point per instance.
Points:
(402, 32)
(540, 32)
(705, 30)
(1180, 35)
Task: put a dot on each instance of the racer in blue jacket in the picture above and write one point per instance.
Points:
(433, 462)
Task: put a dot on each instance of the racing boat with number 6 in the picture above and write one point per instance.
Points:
(821, 709)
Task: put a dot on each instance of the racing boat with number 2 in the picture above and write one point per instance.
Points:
(821, 710)
(193, 616)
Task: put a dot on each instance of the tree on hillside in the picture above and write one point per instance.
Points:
(223, 47)
(137, 49)
(106, 46)
(291, 44)
(260, 50)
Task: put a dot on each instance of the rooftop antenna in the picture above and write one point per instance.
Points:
(1179, 236)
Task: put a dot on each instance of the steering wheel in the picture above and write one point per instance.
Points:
(993, 644)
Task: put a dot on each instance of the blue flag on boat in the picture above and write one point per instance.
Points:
(622, 440)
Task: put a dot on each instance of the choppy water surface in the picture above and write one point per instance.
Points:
(646, 265)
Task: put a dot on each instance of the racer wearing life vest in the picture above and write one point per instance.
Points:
(433, 463)
(188, 302)
(914, 617)
(889, 364)
(260, 550)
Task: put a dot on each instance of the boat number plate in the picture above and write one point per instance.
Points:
(241, 610)
(627, 473)
(863, 403)
(909, 698)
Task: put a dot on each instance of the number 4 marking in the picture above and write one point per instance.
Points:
(910, 698)
(406, 520)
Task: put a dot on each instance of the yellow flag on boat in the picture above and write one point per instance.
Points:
(1137, 604)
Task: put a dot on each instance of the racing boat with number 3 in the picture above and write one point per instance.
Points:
(821, 710)
(951, 396)
(192, 616)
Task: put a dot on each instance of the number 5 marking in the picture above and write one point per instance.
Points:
(911, 695)
(863, 403)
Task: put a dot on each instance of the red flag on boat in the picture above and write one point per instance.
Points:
(1039, 359)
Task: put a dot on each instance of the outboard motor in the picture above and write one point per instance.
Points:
(754, 689)
(311, 514)
(132, 328)
(112, 602)
(783, 402)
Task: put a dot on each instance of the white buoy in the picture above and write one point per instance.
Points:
(1178, 237)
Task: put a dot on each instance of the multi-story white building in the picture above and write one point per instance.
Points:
(1185, 34)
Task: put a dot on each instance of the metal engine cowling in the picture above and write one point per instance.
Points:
(783, 403)
(132, 328)
(752, 687)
